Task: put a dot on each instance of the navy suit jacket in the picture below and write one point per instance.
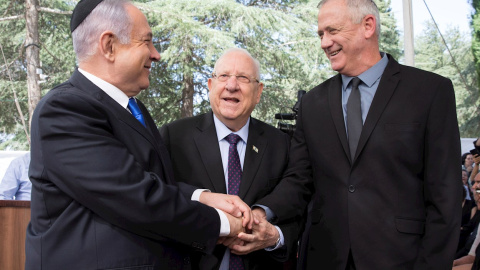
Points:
(195, 153)
(397, 205)
(103, 193)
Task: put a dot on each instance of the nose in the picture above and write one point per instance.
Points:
(232, 83)
(154, 55)
(326, 41)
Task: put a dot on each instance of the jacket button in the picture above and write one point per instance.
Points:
(351, 188)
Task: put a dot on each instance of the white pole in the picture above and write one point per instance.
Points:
(408, 33)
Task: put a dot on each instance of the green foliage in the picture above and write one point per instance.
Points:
(390, 36)
(56, 55)
(190, 36)
(431, 54)
(193, 34)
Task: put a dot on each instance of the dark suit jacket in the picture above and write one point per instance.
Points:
(195, 153)
(103, 193)
(398, 204)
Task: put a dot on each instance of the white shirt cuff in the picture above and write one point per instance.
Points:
(196, 194)
(224, 223)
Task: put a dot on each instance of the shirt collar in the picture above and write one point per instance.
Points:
(223, 131)
(371, 75)
(110, 89)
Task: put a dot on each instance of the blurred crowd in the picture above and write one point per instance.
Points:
(467, 250)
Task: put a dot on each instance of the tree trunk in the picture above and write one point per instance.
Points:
(32, 51)
(187, 96)
(186, 108)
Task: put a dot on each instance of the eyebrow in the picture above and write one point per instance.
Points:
(328, 29)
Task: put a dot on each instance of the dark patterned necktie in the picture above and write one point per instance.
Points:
(234, 178)
(133, 107)
(354, 117)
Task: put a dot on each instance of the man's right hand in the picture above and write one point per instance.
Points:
(230, 204)
(236, 227)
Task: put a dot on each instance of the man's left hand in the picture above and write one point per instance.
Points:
(263, 235)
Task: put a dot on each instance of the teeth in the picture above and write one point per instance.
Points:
(335, 53)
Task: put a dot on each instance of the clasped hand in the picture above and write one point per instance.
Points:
(249, 229)
(262, 235)
(238, 212)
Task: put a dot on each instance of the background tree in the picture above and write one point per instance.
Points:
(431, 54)
(190, 35)
(281, 34)
(390, 36)
(56, 58)
(473, 111)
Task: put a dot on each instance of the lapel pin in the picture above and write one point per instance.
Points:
(255, 149)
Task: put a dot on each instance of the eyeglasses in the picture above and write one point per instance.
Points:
(240, 78)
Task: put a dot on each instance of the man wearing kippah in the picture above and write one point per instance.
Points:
(103, 193)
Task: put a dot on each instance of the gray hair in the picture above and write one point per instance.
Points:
(255, 61)
(359, 9)
(109, 15)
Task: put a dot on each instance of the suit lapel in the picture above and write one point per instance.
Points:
(256, 146)
(335, 102)
(123, 115)
(207, 145)
(388, 84)
(81, 82)
(158, 144)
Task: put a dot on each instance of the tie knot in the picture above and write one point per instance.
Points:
(136, 112)
(233, 138)
(132, 104)
(355, 82)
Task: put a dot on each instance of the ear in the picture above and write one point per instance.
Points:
(209, 84)
(259, 92)
(107, 44)
(370, 25)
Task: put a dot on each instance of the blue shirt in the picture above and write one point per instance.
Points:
(15, 184)
(368, 87)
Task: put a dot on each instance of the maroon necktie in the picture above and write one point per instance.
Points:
(234, 178)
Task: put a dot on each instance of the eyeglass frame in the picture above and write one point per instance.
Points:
(214, 75)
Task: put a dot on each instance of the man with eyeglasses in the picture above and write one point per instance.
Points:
(201, 152)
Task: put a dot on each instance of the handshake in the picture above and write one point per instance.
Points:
(249, 229)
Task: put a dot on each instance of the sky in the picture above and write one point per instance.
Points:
(446, 13)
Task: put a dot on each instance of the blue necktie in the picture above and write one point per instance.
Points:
(133, 107)
(234, 178)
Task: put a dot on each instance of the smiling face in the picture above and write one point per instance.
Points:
(232, 101)
(476, 187)
(134, 60)
(350, 47)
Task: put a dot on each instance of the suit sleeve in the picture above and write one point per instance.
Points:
(442, 189)
(290, 197)
(84, 158)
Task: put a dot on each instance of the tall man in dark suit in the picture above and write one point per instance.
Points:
(384, 187)
(103, 195)
(199, 150)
